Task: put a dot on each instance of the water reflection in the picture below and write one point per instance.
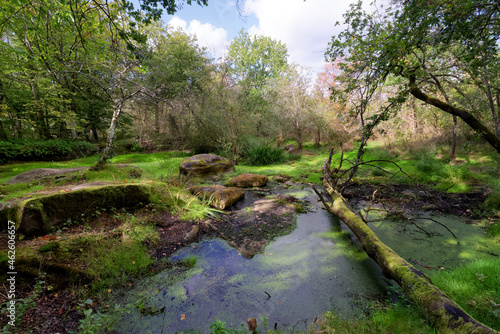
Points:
(300, 276)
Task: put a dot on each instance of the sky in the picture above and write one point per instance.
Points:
(305, 26)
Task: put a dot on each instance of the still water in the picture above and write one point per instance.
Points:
(314, 269)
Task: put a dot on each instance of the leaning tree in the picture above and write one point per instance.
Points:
(439, 49)
(409, 40)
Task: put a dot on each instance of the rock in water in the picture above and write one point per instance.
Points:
(248, 180)
(220, 197)
(205, 164)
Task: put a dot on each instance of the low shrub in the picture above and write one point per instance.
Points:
(35, 150)
(261, 154)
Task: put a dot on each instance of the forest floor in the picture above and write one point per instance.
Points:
(59, 307)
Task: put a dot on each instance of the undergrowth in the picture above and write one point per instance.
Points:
(53, 149)
(260, 154)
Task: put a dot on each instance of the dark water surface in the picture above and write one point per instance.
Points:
(318, 267)
(300, 276)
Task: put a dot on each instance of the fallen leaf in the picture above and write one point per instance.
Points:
(183, 316)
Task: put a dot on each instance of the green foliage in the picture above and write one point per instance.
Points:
(189, 262)
(381, 319)
(54, 149)
(492, 203)
(219, 327)
(475, 286)
(260, 154)
(51, 246)
(257, 60)
(408, 42)
(24, 304)
(493, 230)
(95, 321)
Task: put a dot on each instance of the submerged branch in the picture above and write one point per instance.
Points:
(435, 221)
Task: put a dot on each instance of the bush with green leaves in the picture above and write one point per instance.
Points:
(34, 150)
(260, 154)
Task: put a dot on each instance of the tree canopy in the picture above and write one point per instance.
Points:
(439, 49)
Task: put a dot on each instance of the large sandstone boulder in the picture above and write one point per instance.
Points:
(37, 216)
(247, 180)
(220, 197)
(205, 164)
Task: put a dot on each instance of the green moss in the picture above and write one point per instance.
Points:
(38, 215)
(51, 246)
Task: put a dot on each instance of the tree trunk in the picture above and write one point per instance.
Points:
(94, 132)
(109, 141)
(454, 138)
(42, 126)
(158, 113)
(298, 130)
(467, 117)
(490, 101)
(317, 142)
(442, 312)
(413, 120)
(3, 134)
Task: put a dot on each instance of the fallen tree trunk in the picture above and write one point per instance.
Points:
(442, 312)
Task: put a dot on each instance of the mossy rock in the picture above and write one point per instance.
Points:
(204, 165)
(220, 197)
(41, 173)
(36, 216)
(247, 180)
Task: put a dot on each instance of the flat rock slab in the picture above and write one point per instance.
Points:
(248, 180)
(220, 197)
(39, 173)
(204, 165)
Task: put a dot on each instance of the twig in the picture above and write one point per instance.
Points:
(322, 199)
(423, 265)
(449, 188)
(420, 228)
(453, 234)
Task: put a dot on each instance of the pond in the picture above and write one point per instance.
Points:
(314, 269)
(318, 267)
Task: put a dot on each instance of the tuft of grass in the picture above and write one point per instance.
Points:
(475, 286)
(189, 262)
(493, 230)
(382, 319)
(262, 154)
(492, 202)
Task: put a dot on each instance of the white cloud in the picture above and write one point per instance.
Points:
(208, 36)
(305, 27)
